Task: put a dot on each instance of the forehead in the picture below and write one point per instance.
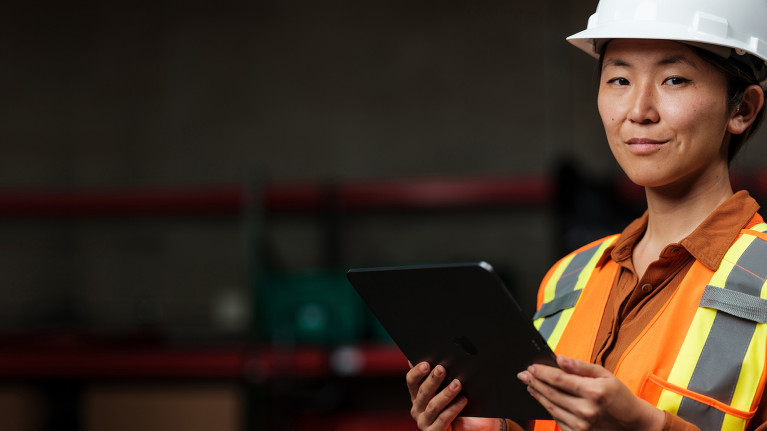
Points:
(648, 50)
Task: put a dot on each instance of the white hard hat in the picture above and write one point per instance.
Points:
(728, 28)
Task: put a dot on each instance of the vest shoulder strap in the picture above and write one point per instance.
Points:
(564, 287)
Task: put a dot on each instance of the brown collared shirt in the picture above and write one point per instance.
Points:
(633, 302)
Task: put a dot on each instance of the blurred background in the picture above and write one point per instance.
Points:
(184, 184)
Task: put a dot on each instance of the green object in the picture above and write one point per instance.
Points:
(319, 307)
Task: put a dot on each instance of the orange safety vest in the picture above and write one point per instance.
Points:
(701, 357)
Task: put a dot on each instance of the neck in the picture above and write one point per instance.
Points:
(674, 212)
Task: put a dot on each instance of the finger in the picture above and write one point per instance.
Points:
(441, 410)
(555, 378)
(427, 390)
(414, 378)
(449, 414)
(580, 368)
(554, 386)
(564, 417)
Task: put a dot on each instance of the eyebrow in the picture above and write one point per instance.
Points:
(672, 59)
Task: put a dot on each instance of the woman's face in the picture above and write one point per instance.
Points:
(664, 110)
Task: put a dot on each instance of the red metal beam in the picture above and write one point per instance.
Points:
(232, 200)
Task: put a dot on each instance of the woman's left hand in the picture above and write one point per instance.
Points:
(583, 396)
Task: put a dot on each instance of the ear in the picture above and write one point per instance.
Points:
(745, 113)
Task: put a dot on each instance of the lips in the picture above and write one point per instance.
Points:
(644, 145)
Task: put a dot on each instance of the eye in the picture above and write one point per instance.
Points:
(676, 81)
(618, 81)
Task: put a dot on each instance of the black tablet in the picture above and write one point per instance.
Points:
(463, 317)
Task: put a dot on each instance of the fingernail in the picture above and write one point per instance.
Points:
(523, 376)
(438, 370)
(455, 385)
(531, 369)
(424, 367)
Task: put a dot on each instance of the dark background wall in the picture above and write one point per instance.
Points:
(153, 94)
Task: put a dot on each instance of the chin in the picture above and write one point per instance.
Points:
(644, 180)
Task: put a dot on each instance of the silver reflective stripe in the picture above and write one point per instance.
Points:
(574, 269)
(718, 369)
(565, 286)
(559, 303)
(735, 303)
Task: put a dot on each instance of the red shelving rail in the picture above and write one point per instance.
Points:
(86, 362)
(225, 200)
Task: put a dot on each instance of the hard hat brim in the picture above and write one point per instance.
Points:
(590, 40)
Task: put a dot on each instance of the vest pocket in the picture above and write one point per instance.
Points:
(654, 386)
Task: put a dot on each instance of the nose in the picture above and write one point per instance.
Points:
(643, 105)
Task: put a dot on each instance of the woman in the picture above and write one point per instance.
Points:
(668, 329)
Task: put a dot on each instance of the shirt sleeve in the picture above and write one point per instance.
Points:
(675, 423)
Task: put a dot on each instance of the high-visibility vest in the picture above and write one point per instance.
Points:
(701, 357)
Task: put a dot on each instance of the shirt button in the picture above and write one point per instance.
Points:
(647, 288)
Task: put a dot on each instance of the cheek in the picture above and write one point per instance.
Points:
(607, 111)
(696, 117)
(610, 113)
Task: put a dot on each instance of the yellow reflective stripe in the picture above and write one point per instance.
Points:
(753, 361)
(669, 401)
(731, 422)
(687, 359)
(730, 259)
(696, 337)
(748, 382)
(583, 278)
(761, 227)
(551, 286)
(556, 334)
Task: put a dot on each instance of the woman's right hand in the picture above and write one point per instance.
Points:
(433, 411)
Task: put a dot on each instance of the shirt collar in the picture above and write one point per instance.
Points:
(709, 242)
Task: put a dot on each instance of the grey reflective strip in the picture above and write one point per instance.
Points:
(559, 303)
(574, 269)
(564, 287)
(718, 368)
(752, 262)
(738, 304)
(702, 415)
(548, 325)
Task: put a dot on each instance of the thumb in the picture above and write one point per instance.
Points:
(580, 368)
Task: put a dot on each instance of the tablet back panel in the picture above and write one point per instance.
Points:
(463, 317)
